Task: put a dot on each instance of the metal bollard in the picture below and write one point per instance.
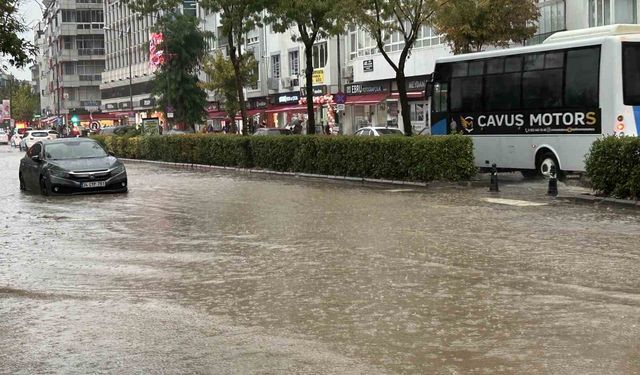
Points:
(494, 178)
(552, 191)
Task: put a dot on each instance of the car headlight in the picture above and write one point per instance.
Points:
(118, 169)
(58, 172)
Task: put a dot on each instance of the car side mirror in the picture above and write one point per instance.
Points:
(36, 158)
(428, 92)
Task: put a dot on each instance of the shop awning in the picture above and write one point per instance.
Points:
(291, 108)
(366, 99)
(48, 120)
(218, 114)
(413, 95)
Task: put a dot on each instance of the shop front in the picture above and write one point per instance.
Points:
(366, 105)
(418, 105)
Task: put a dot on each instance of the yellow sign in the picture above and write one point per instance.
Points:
(318, 76)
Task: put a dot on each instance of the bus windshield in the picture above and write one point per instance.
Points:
(631, 73)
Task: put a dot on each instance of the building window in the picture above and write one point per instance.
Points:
(68, 15)
(275, 66)
(67, 42)
(189, 8)
(294, 63)
(552, 19)
(607, 12)
(320, 55)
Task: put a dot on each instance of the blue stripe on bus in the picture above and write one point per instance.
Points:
(636, 114)
(440, 127)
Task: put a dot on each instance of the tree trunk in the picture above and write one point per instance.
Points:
(404, 103)
(311, 124)
(235, 61)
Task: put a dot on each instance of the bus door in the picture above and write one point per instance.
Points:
(439, 113)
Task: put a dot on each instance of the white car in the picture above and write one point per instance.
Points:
(31, 137)
(16, 139)
(4, 137)
(378, 131)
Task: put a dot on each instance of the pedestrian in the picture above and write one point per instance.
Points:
(263, 124)
(327, 129)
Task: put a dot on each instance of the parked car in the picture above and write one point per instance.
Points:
(272, 131)
(71, 166)
(177, 132)
(31, 137)
(16, 139)
(116, 130)
(378, 131)
(53, 134)
(4, 137)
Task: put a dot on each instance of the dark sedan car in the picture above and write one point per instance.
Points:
(71, 165)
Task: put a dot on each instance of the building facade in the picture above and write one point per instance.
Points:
(95, 55)
(71, 60)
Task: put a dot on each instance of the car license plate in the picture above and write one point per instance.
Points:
(93, 184)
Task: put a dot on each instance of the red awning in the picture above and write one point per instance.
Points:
(291, 108)
(413, 95)
(218, 114)
(366, 99)
(253, 112)
(48, 120)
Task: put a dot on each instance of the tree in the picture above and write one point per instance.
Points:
(314, 20)
(176, 81)
(222, 81)
(405, 18)
(470, 25)
(17, 49)
(237, 18)
(24, 103)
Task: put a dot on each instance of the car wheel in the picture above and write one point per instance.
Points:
(23, 187)
(546, 161)
(44, 189)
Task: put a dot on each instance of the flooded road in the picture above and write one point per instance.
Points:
(226, 273)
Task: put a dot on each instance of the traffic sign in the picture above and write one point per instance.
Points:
(340, 107)
(95, 125)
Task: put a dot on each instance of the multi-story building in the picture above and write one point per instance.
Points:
(71, 60)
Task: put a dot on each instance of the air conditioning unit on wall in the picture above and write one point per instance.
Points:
(273, 83)
(347, 72)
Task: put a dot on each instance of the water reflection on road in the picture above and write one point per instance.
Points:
(227, 273)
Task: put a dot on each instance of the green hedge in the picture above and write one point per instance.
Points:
(395, 158)
(613, 165)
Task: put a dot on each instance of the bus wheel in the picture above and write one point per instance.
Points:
(545, 162)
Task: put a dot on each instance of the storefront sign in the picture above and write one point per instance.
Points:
(287, 98)
(110, 106)
(317, 90)
(530, 122)
(318, 76)
(257, 103)
(124, 105)
(364, 88)
(149, 102)
(417, 83)
(367, 66)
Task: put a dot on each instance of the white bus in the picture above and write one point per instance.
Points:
(533, 107)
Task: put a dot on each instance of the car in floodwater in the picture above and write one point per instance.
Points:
(31, 137)
(71, 166)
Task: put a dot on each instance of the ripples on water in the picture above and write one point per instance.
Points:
(229, 273)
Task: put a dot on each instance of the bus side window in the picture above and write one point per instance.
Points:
(440, 97)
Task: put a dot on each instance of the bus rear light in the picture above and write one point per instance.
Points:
(620, 127)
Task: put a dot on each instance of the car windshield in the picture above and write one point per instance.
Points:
(389, 131)
(74, 150)
(39, 134)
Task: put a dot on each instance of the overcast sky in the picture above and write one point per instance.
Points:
(31, 13)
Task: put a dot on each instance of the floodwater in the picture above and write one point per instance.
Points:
(229, 273)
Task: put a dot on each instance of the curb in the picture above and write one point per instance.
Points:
(364, 181)
(601, 201)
